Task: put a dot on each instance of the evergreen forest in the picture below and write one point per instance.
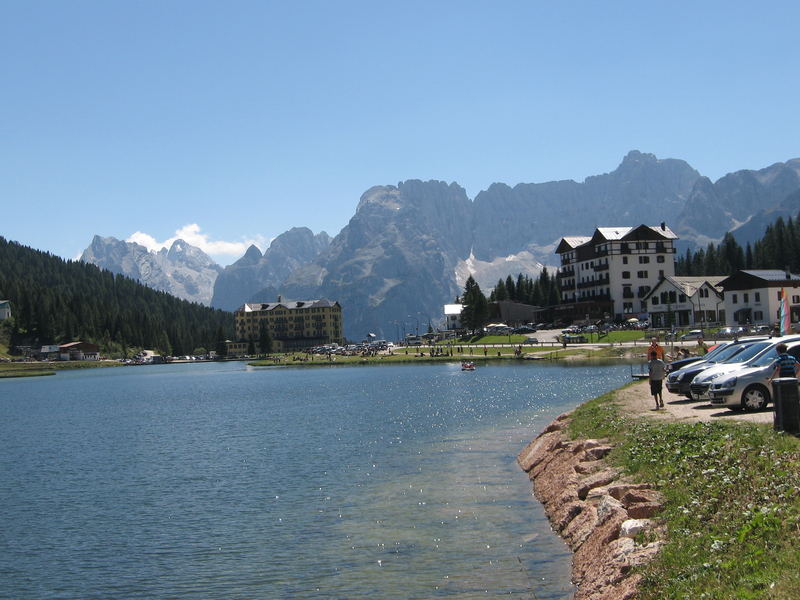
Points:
(542, 291)
(56, 301)
(779, 248)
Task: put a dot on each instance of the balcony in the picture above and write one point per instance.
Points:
(591, 284)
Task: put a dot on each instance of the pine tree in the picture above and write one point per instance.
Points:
(476, 307)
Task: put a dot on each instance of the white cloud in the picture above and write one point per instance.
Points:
(192, 234)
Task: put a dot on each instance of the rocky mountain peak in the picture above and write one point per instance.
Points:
(184, 270)
(251, 257)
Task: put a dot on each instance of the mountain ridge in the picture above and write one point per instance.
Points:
(408, 247)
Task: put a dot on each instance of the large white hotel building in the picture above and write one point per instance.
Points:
(610, 273)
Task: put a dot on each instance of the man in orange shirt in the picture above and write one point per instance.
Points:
(654, 347)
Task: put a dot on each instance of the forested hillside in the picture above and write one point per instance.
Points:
(56, 301)
(778, 249)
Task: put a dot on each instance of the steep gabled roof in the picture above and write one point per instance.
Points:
(688, 284)
(607, 234)
(753, 278)
(651, 232)
(287, 304)
(571, 242)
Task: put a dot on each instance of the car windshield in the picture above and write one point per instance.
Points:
(749, 352)
(767, 358)
(716, 352)
(729, 351)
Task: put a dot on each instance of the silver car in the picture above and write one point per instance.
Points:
(748, 388)
(702, 382)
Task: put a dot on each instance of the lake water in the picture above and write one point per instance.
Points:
(227, 481)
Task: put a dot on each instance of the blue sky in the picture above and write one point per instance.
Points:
(232, 122)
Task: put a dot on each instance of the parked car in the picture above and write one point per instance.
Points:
(702, 382)
(675, 365)
(732, 331)
(679, 381)
(525, 329)
(748, 388)
(694, 334)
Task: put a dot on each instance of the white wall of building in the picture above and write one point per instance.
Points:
(762, 302)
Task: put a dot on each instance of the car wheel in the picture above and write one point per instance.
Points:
(755, 397)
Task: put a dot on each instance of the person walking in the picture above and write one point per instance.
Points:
(657, 370)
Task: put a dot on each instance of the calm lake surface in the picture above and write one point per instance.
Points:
(227, 481)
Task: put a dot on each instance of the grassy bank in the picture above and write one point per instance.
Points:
(415, 356)
(6, 373)
(37, 369)
(733, 502)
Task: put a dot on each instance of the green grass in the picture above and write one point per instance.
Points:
(36, 369)
(732, 510)
(623, 335)
(412, 355)
(6, 373)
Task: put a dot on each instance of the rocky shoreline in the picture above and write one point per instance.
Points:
(593, 508)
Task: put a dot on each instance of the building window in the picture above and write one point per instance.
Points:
(626, 274)
(627, 307)
(654, 300)
(756, 296)
(659, 259)
(735, 299)
(745, 297)
(644, 260)
(682, 298)
(758, 315)
(795, 299)
(641, 274)
(624, 260)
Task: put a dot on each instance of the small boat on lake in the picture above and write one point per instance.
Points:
(467, 366)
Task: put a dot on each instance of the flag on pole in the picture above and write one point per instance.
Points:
(784, 316)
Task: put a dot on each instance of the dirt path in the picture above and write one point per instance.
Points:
(636, 399)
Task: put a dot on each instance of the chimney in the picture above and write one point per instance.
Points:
(663, 226)
(280, 298)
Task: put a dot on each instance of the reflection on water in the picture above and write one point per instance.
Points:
(222, 481)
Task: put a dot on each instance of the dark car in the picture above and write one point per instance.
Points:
(684, 362)
(679, 381)
(524, 329)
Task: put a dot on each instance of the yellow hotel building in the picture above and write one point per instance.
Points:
(292, 324)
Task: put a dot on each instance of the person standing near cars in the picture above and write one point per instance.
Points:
(654, 347)
(657, 370)
(702, 349)
(786, 365)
